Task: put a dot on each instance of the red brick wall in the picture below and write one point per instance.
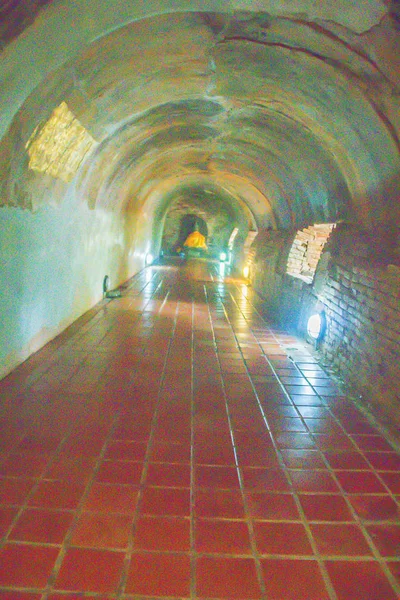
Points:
(357, 283)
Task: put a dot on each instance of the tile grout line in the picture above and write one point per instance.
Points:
(193, 556)
(367, 536)
(78, 511)
(323, 571)
(32, 491)
(376, 554)
(131, 543)
(248, 519)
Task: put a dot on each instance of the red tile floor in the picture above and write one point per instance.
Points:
(173, 444)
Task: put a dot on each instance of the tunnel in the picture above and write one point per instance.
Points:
(212, 422)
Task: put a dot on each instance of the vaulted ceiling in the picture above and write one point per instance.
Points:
(289, 111)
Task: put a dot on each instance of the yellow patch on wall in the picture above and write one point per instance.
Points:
(59, 147)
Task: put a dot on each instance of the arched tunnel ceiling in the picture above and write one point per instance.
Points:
(292, 109)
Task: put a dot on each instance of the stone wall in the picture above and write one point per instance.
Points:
(357, 285)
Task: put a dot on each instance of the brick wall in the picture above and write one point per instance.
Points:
(306, 250)
(357, 284)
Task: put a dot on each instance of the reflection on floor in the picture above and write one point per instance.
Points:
(166, 446)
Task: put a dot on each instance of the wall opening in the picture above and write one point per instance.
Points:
(306, 251)
(60, 146)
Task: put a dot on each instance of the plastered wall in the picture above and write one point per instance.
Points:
(53, 262)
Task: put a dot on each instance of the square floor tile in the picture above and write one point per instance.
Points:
(340, 540)
(357, 425)
(376, 507)
(7, 515)
(99, 530)
(71, 468)
(172, 453)
(384, 461)
(111, 498)
(222, 537)
(214, 455)
(386, 538)
(295, 441)
(217, 477)
(24, 464)
(217, 503)
(282, 538)
(300, 390)
(154, 574)
(395, 569)
(38, 525)
(14, 491)
(88, 570)
(332, 441)
(268, 480)
(80, 446)
(313, 481)
(288, 424)
(121, 472)
(359, 581)
(365, 482)
(165, 534)
(306, 400)
(57, 494)
(313, 412)
(346, 460)
(267, 458)
(138, 432)
(39, 444)
(372, 442)
(125, 450)
(327, 425)
(227, 578)
(293, 580)
(278, 410)
(303, 459)
(325, 507)
(26, 566)
(19, 596)
(272, 506)
(392, 480)
(168, 475)
(166, 501)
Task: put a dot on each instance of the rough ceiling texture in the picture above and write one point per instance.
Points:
(289, 110)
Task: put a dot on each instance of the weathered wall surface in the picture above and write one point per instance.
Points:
(53, 262)
(357, 284)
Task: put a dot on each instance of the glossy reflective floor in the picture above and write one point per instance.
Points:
(166, 446)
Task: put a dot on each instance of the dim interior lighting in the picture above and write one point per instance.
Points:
(149, 259)
(222, 257)
(316, 326)
(246, 271)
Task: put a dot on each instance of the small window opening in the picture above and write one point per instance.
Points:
(60, 146)
(306, 251)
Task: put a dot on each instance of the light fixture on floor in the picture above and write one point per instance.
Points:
(316, 326)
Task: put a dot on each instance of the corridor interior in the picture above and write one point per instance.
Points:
(172, 443)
